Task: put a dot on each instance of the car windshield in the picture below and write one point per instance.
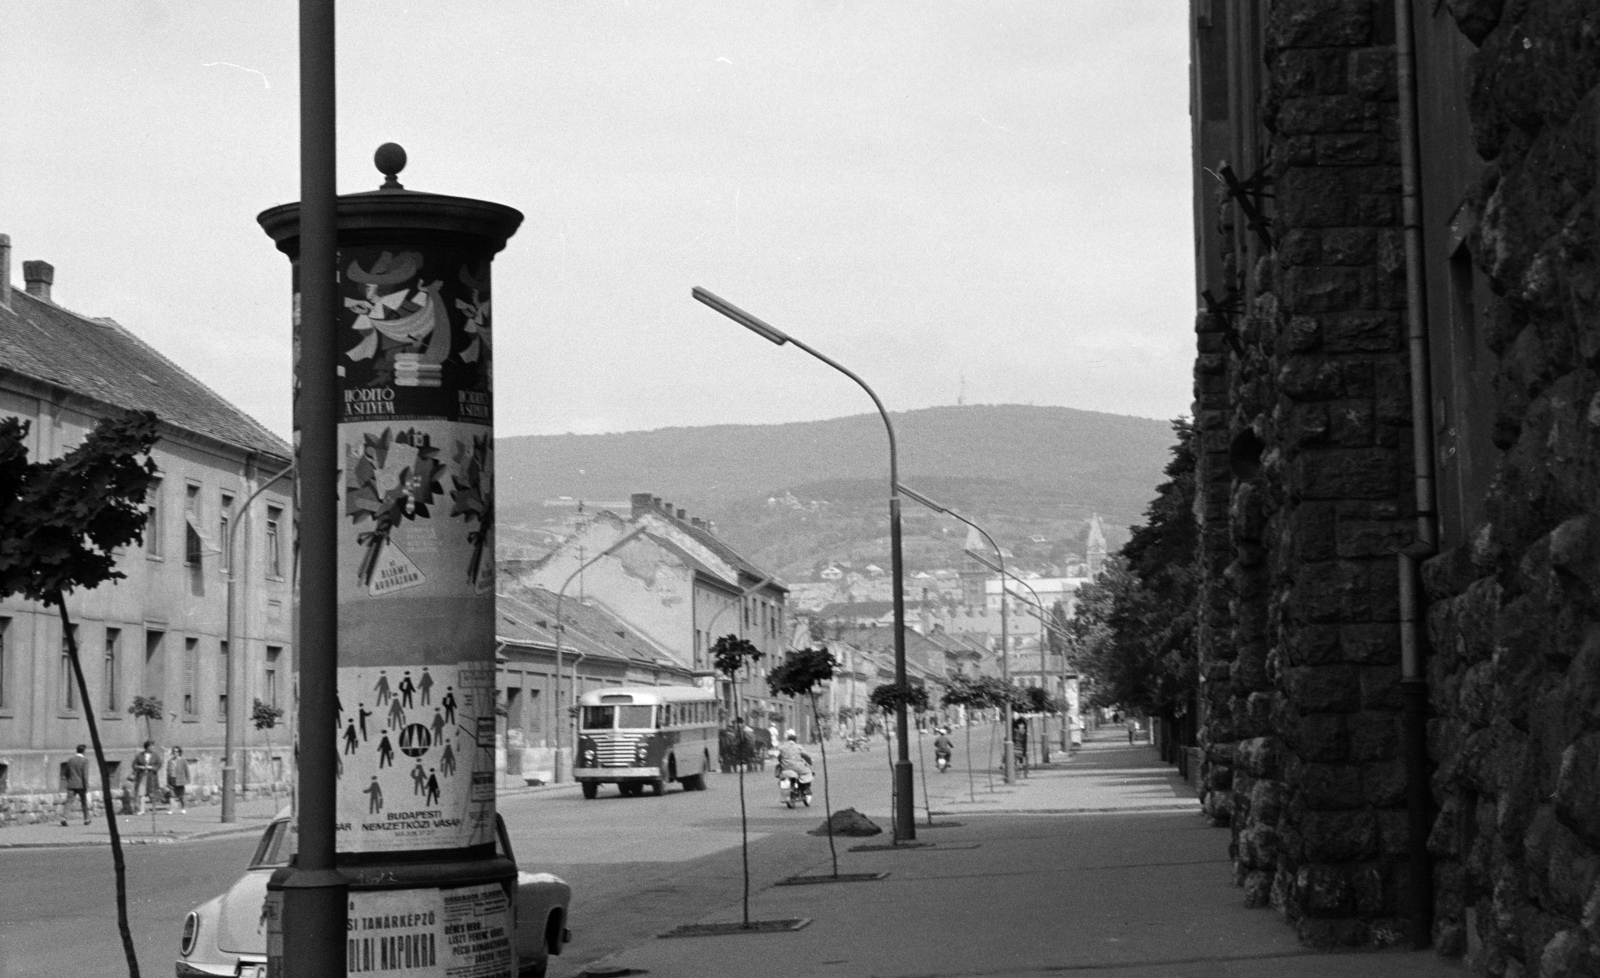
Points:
(635, 717)
(277, 845)
(599, 717)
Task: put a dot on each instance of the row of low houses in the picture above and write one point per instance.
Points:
(210, 584)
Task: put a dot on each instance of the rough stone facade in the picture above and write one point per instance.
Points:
(1303, 399)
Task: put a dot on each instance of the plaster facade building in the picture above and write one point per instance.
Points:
(1399, 469)
(673, 581)
(164, 630)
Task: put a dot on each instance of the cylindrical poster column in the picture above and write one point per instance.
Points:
(415, 818)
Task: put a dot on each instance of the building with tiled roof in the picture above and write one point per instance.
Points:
(670, 577)
(164, 631)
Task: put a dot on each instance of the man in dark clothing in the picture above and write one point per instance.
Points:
(77, 784)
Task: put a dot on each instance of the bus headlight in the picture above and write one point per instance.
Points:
(589, 756)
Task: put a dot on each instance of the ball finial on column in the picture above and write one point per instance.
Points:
(390, 159)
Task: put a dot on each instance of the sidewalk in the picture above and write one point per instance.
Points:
(204, 821)
(1097, 865)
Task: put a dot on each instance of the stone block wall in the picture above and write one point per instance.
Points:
(1302, 670)
(1302, 397)
(1514, 619)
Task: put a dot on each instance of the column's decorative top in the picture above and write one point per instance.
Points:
(390, 159)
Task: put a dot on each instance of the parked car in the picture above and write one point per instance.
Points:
(227, 935)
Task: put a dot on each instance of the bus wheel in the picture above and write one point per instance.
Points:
(656, 787)
(590, 789)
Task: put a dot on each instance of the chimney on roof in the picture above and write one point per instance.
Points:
(641, 503)
(697, 522)
(655, 502)
(5, 270)
(683, 513)
(38, 275)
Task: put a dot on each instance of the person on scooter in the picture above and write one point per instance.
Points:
(793, 762)
(942, 749)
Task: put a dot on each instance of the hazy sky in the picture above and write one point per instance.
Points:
(924, 191)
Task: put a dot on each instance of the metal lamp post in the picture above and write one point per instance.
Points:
(234, 730)
(1005, 652)
(561, 722)
(1044, 621)
(905, 812)
(711, 626)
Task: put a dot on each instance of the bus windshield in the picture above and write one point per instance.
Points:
(635, 717)
(599, 717)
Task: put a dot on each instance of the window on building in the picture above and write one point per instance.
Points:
(222, 680)
(68, 697)
(5, 664)
(110, 688)
(152, 522)
(191, 667)
(225, 514)
(191, 518)
(154, 664)
(274, 558)
(269, 685)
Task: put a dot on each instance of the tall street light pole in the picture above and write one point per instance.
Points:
(711, 626)
(561, 722)
(1044, 621)
(233, 732)
(904, 814)
(1005, 652)
(314, 904)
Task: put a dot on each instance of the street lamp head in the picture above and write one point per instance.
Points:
(733, 312)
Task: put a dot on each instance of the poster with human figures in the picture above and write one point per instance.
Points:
(416, 757)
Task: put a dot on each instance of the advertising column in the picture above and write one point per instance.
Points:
(415, 707)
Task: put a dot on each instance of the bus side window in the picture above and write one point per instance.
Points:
(666, 715)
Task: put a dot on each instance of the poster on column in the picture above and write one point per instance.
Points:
(416, 720)
(462, 932)
(415, 709)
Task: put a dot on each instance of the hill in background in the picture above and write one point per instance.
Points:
(791, 496)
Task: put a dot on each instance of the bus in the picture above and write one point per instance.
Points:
(638, 736)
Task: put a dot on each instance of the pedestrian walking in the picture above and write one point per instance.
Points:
(350, 738)
(1133, 729)
(407, 689)
(374, 792)
(432, 797)
(425, 686)
(447, 760)
(397, 716)
(385, 752)
(362, 713)
(381, 687)
(178, 779)
(77, 784)
(146, 764)
(449, 704)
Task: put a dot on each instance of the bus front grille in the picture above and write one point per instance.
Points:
(616, 750)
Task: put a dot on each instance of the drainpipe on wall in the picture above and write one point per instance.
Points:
(1413, 678)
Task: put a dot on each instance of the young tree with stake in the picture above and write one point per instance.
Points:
(61, 523)
(730, 654)
(799, 674)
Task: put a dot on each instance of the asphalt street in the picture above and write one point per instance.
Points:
(638, 866)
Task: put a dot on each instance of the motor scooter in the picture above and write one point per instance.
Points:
(795, 787)
(941, 760)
